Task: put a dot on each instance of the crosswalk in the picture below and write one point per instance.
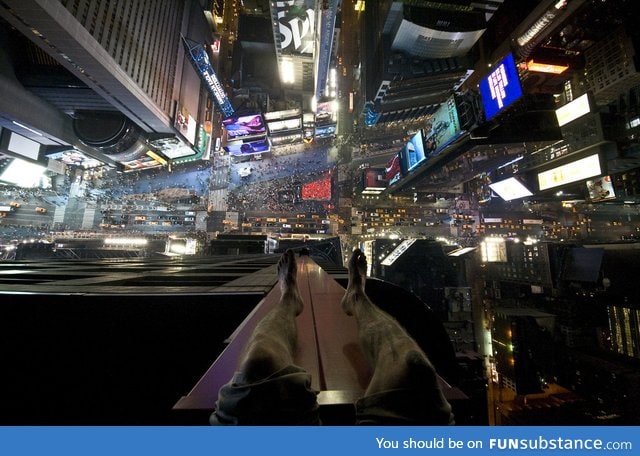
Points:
(217, 199)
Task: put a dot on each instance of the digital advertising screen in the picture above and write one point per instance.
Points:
(238, 127)
(493, 250)
(325, 131)
(374, 179)
(324, 112)
(23, 146)
(500, 88)
(393, 170)
(23, 173)
(141, 163)
(249, 147)
(601, 189)
(75, 158)
(444, 128)
(186, 124)
(285, 125)
(296, 26)
(413, 152)
(573, 110)
(200, 60)
(510, 189)
(178, 151)
(571, 172)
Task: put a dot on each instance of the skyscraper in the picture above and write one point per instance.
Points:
(130, 54)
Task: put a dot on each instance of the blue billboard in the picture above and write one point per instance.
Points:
(200, 61)
(501, 87)
(413, 152)
(325, 131)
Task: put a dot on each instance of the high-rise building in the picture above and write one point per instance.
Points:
(417, 55)
(130, 55)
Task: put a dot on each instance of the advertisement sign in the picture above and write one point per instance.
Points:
(141, 163)
(248, 148)
(546, 67)
(296, 25)
(444, 128)
(238, 127)
(75, 158)
(601, 189)
(284, 125)
(573, 110)
(393, 170)
(413, 153)
(281, 115)
(374, 179)
(21, 145)
(371, 116)
(23, 173)
(397, 252)
(326, 131)
(324, 112)
(493, 250)
(200, 60)
(500, 88)
(186, 124)
(287, 139)
(510, 189)
(172, 148)
(203, 139)
(571, 172)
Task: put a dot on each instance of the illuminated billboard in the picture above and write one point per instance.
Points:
(573, 110)
(493, 250)
(397, 252)
(186, 124)
(200, 60)
(281, 115)
(393, 170)
(23, 146)
(412, 154)
(571, 172)
(324, 112)
(540, 67)
(75, 158)
(239, 127)
(601, 189)
(296, 26)
(249, 147)
(500, 88)
(23, 173)
(444, 128)
(325, 131)
(374, 180)
(145, 162)
(285, 125)
(510, 189)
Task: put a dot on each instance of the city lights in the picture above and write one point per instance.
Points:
(287, 74)
(126, 241)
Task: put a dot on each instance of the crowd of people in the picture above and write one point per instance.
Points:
(288, 194)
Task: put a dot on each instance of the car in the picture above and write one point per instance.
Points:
(42, 210)
(15, 204)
